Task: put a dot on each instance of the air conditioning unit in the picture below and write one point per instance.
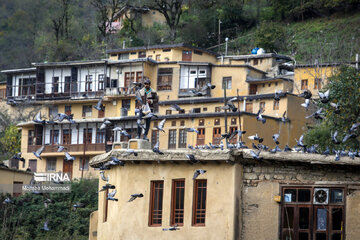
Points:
(321, 196)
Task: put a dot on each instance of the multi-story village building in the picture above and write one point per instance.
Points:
(174, 70)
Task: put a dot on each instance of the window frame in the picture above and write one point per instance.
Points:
(173, 215)
(182, 138)
(172, 139)
(152, 202)
(227, 82)
(304, 84)
(195, 203)
(50, 161)
(276, 105)
(165, 79)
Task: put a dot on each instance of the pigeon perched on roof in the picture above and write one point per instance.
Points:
(337, 155)
(221, 145)
(275, 149)
(38, 152)
(326, 152)
(160, 127)
(115, 161)
(134, 196)
(324, 97)
(191, 147)
(129, 152)
(256, 156)
(111, 196)
(198, 172)
(287, 149)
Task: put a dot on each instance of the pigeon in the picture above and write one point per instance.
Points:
(306, 104)
(115, 161)
(47, 202)
(129, 152)
(275, 137)
(277, 96)
(336, 106)
(196, 93)
(337, 155)
(106, 179)
(99, 105)
(125, 133)
(198, 172)
(111, 195)
(140, 124)
(156, 149)
(68, 157)
(354, 127)
(221, 145)
(324, 97)
(229, 106)
(256, 156)
(160, 127)
(107, 186)
(105, 124)
(300, 142)
(176, 107)
(283, 119)
(191, 147)
(348, 136)
(192, 159)
(38, 152)
(333, 138)
(117, 129)
(240, 145)
(78, 205)
(150, 115)
(192, 130)
(306, 94)
(134, 196)
(38, 118)
(206, 86)
(259, 116)
(8, 201)
(326, 152)
(275, 149)
(45, 227)
(287, 149)
(173, 228)
(254, 146)
(17, 156)
(317, 115)
(351, 154)
(343, 153)
(256, 138)
(62, 116)
(60, 148)
(212, 146)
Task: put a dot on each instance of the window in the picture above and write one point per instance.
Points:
(172, 139)
(199, 203)
(139, 76)
(164, 80)
(196, 110)
(55, 85)
(304, 84)
(31, 137)
(100, 136)
(249, 107)
(233, 121)
(166, 50)
(88, 83)
(66, 136)
(173, 123)
(217, 109)
(201, 122)
(182, 123)
(217, 135)
(276, 83)
(168, 112)
(276, 105)
(129, 78)
(86, 163)
(101, 82)
(262, 105)
(17, 189)
(217, 121)
(234, 139)
(158, 57)
(87, 135)
(156, 199)
(133, 53)
(53, 111)
(182, 138)
(54, 136)
(142, 54)
(177, 202)
(87, 111)
(50, 164)
(317, 83)
(306, 213)
(126, 103)
(205, 109)
(68, 110)
(197, 52)
(256, 61)
(227, 83)
(269, 84)
(200, 137)
(26, 86)
(114, 83)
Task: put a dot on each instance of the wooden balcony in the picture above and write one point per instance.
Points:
(70, 147)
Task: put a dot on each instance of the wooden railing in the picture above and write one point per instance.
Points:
(70, 147)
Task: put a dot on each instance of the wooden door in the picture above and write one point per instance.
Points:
(253, 89)
(217, 135)
(67, 85)
(68, 168)
(201, 137)
(234, 139)
(33, 165)
(186, 55)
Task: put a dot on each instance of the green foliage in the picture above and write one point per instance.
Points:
(345, 91)
(10, 141)
(25, 219)
(270, 36)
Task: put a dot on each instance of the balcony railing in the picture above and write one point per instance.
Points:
(120, 91)
(69, 147)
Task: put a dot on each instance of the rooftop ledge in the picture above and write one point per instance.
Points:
(217, 156)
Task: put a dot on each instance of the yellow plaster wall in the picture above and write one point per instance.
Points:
(238, 80)
(9, 176)
(135, 178)
(352, 215)
(173, 93)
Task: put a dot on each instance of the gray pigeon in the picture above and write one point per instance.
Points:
(198, 172)
(99, 105)
(324, 97)
(78, 205)
(107, 186)
(38, 152)
(45, 227)
(111, 195)
(173, 228)
(283, 119)
(275, 137)
(160, 127)
(68, 157)
(134, 196)
(259, 116)
(8, 201)
(129, 152)
(192, 158)
(60, 148)
(106, 179)
(105, 124)
(192, 130)
(176, 107)
(156, 149)
(256, 156)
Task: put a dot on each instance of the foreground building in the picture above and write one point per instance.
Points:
(11, 180)
(283, 196)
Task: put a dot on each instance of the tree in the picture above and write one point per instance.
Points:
(171, 9)
(270, 36)
(344, 91)
(10, 141)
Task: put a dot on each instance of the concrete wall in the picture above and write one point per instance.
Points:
(129, 220)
